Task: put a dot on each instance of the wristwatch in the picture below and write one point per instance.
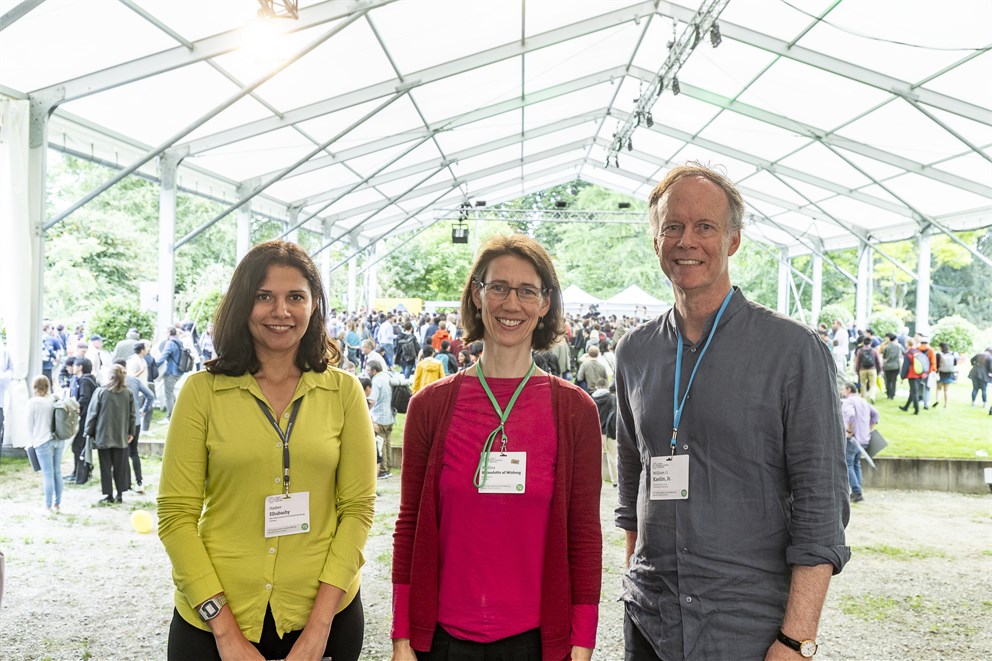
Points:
(807, 648)
(210, 608)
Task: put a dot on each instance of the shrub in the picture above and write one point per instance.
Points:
(835, 311)
(959, 333)
(113, 319)
(885, 321)
(202, 308)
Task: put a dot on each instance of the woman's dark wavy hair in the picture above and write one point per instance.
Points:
(524, 247)
(233, 342)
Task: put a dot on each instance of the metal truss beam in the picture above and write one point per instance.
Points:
(17, 13)
(455, 157)
(888, 84)
(203, 49)
(431, 74)
(820, 135)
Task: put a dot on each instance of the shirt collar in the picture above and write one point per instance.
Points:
(308, 382)
(737, 302)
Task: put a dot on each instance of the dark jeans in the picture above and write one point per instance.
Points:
(891, 379)
(979, 387)
(113, 465)
(344, 642)
(635, 646)
(915, 393)
(132, 451)
(78, 443)
(524, 646)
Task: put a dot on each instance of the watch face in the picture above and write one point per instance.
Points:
(209, 610)
(807, 648)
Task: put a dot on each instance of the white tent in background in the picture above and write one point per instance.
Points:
(577, 301)
(635, 302)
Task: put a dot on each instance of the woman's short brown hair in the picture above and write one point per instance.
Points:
(41, 385)
(232, 340)
(524, 247)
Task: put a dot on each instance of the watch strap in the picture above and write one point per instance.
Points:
(211, 608)
(805, 647)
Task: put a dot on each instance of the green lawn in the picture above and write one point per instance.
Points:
(958, 431)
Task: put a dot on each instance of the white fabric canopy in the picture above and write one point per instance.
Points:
(634, 301)
(577, 301)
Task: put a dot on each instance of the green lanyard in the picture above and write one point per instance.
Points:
(481, 471)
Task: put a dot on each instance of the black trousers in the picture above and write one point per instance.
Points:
(891, 379)
(524, 646)
(132, 451)
(113, 466)
(635, 646)
(78, 443)
(344, 643)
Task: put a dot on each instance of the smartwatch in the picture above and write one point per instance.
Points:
(210, 608)
(807, 648)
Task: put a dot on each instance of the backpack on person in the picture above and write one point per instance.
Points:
(921, 362)
(408, 349)
(185, 362)
(401, 398)
(65, 418)
(947, 361)
(867, 360)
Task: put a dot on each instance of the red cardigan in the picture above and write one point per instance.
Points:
(574, 557)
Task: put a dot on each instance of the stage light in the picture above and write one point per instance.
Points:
(459, 233)
(560, 204)
(623, 205)
(715, 37)
(675, 86)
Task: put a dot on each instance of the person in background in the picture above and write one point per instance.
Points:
(497, 552)
(869, 364)
(125, 348)
(947, 373)
(446, 358)
(110, 420)
(381, 399)
(916, 377)
(980, 375)
(860, 418)
(928, 381)
(268, 478)
(429, 370)
(40, 410)
(86, 387)
(606, 403)
(144, 399)
(892, 353)
(171, 352)
(464, 360)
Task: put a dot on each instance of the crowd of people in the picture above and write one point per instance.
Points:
(734, 499)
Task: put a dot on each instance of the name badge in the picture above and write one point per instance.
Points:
(287, 515)
(670, 477)
(507, 473)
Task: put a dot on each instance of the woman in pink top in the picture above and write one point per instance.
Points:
(498, 545)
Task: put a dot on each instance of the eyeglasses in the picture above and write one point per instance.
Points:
(499, 291)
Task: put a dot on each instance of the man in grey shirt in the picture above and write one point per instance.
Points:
(733, 486)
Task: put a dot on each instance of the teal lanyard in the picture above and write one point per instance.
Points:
(282, 437)
(677, 415)
(479, 480)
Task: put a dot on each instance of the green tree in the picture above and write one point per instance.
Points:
(114, 318)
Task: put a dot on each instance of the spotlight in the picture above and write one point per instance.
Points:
(560, 204)
(623, 205)
(675, 86)
(480, 203)
(630, 144)
(715, 37)
(649, 120)
(459, 233)
(616, 161)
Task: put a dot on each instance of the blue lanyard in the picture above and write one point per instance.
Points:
(677, 408)
(282, 437)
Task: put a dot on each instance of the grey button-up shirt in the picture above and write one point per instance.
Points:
(709, 578)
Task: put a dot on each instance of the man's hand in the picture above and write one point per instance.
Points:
(780, 652)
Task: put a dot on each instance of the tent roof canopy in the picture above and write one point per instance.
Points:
(841, 121)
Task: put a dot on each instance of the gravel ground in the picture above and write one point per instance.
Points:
(84, 585)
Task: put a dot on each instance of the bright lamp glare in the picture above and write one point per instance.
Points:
(263, 39)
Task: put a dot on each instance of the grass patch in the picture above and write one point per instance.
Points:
(878, 608)
(897, 553)
(385, 558)
(955, 432)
